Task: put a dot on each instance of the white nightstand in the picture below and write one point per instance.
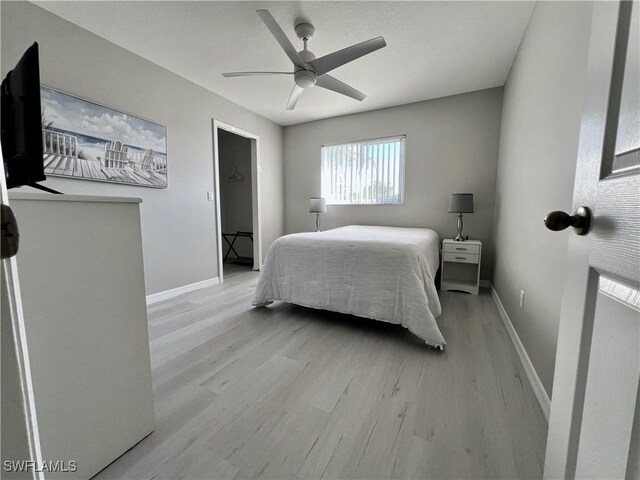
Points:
(460, 268)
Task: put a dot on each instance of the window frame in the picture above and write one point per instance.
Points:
(401, 177)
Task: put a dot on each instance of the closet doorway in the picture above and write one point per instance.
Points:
(237, 207)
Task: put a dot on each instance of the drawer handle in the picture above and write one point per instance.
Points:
(463, 249)
(460, 258)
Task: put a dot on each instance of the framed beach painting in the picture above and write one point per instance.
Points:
(88, 141)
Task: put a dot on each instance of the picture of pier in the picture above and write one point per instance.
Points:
(87, 141)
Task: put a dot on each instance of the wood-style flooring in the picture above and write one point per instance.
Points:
(288, 392)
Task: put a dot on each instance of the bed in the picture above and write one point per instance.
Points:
(381, 273)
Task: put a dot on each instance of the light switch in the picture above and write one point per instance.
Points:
(210, 196)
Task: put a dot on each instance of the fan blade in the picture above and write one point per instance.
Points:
(327, 63)
(333, 84)
(282, 39)
(293, 98)
(248, 74)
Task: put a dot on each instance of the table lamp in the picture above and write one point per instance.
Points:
(317, 205)
(460, 203)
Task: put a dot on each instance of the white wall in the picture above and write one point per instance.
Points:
(452, 146)
(538, 146)
(178, 223)
(236, 196)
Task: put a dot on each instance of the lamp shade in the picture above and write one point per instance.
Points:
(317, 205)
(461, 203)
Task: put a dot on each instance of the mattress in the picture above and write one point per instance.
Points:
(381, 273)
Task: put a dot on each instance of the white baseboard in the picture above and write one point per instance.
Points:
(174, 292)
(530, 371)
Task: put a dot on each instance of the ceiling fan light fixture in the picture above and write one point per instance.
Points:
(305, 78)
(309, 70)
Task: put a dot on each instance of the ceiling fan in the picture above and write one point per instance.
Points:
(309, 70)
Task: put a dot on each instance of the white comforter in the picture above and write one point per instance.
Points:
(383, 273)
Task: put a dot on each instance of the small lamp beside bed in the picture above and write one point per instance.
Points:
(460, 203)
(317, 205)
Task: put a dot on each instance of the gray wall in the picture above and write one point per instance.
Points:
(178, 223)
(236, 196)
(452, 146)
(538, 146)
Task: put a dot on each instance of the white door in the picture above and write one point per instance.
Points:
(595, 413)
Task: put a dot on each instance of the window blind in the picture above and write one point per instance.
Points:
(366, 172)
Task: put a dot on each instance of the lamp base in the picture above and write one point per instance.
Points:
(459, 237)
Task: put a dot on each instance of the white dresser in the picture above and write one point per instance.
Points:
(460, 267)
(82, 285)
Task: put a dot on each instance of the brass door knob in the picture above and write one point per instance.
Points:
(580, 221)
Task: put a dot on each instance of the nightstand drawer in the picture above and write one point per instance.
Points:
(460, 257)
(461, 247)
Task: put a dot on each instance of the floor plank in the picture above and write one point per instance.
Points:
(287, 392)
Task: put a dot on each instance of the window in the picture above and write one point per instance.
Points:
(367, 172)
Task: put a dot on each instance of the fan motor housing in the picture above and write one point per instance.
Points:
(306, 55)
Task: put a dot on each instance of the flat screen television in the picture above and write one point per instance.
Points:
(21, 123)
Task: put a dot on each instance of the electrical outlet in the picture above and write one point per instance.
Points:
(521, 299)
(210, 196)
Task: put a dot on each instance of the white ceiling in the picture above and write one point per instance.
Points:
(434, 49)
